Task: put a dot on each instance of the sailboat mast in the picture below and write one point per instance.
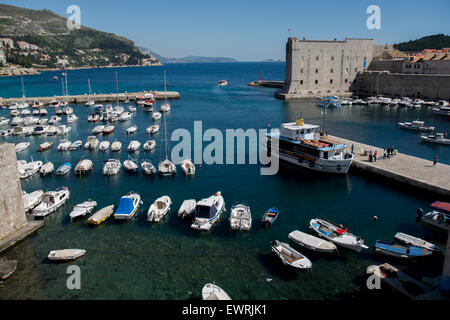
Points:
(117, 90)
(62, 86)
(23, 88)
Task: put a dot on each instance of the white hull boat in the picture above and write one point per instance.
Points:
(149, 145)
(21, 146)
(148, 168)
(208, 211)
(128, 206)
(98, 129)
(187, 208)
(92, 143)
(130, 166)
(83, 167)
(158, 209)
(153, 129)
(76, 145)
(167, 168)
(63, 130)
(125, 116)
(337, 235)
(29, 169)
(131, 129)
(47, 169)
(104, 145)
(31, 200)
(408, 239)
(165, 107)
(436, 138)
(52, 130)
(156, 116)
(111, 167)
(212, 292)
(312, 243)
(51, 201)
(290, 256)
(240, 217)
(82, 209)
(134, 146)
(116, 146)
(66, 254)
(188, 167)
(72, 118)
(64, 145)
(415, 125)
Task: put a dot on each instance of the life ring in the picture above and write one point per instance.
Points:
(298, 138)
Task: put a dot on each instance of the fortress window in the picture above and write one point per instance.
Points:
(317, 70)
(356, 69)
(316, 82)
(317, 58)
(331, 81)
(301, 81)
(346, 70)
(301, 70)
(331, 71)
(332, 58)
(345, 80)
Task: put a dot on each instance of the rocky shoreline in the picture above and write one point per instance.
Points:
(17, 71)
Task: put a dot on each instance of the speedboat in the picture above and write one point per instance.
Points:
(312, 243)
(125, 116)
(59, 112)
(31, 200)
(47, 168)
(43, 112)
(90, 103)
(39, 130)
(128, 205)
(55, 104)
(43, 121)
(132, 108)
(240, 217)
(167, 168)
(21, 146)
(148, 167)
(212, 292)
(25, 112)
(270, 216)
(63, 130)
(187, 208)
(134, 146)
(108, 130)
(92, 143)
(54, 120)
(439, 218)
(165, 107)
(111, 167)
(131, 129)
(104, 145)
(400, 250)
(98, 129)
(51, 201)
(101, 215)
(188, 167)
(72, 118)
(156, 116)
(149, 145)
(415, 125)
(153, 129)
(7, 132)
(208, 211)
(52, 130)
(66, 254)
(158, 209)
(64, 145)
(14, 113)
(84, 166)
(76, 145)
(82, 209)
(442, 110)
(290, 256)
(436, 138)
(16, 121)
(408, 239)
(298, 143)
(130, 165)
(116, 146)
(64, 169)
(68, 110)
(337, 234)
(3, 121)
(118, 109)
(45, 146)
(222, 83)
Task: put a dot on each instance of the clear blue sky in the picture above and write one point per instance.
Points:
(250, 30)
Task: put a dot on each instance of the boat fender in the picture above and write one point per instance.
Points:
(419, 212)
(298, 138)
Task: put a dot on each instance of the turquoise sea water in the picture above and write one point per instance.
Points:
(168, 260)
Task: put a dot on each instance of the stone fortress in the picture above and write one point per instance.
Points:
(324, 68)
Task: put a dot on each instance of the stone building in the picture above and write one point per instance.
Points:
(2, 57)
(12, 211)
(323, 67)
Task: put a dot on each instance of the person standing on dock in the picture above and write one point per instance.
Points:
(375, 156)
(434, 161)
(353, 148)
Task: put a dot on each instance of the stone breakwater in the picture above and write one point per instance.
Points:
(98, 98)
(10, 72)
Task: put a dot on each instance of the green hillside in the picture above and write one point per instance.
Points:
(437, 41)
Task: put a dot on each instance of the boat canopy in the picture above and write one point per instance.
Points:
(441, 206)
(125, 206)
(206, 212)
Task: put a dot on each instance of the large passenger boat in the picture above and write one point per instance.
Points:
(300, 144)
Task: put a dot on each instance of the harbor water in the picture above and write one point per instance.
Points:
(169, 260)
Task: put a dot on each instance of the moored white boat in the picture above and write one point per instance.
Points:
(21, 146)
(436, 138)
(64, 169)
(128, 205)
(337, 235)
(66, 254)
(188, 167)
(108, 130)
(64, 145)
(134, 146)
(131, 129)
(76, 145)
(148, 168)
(167, 168)
(153, 129)
(158, 209)
(29, 168)
(130, 165)
(116, 146)
(313, 243)
(415, 125)
(125, 116)
(111, 167)
(31, 200)
(213, 292)
(240, 217)
(187, 208)
(92, 143)
(104, 145)
(71, 118)
(98, 129)
(156, 115)
(51, 201)
(101, 215)
(408, 239)
(84, 166)
(290, 256)
(149, 145)
(208, 211)
(47, 168)
(63, 130)
(82, 209)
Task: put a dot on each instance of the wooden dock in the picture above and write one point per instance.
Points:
(98, 98)
(413, 171)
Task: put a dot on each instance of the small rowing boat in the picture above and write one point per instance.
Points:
(66, 254)
(212, 292)
(82, 209)
(101, 215)
(310, 242)
(400, 250)
(408, 239)
(290, 256)
(270, 216)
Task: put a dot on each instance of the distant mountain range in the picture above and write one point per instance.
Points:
(41, 38)
(188, 59)
(437, 41)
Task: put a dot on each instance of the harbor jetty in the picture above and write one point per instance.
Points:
(159, 95)
(413, 171)
(267, 83)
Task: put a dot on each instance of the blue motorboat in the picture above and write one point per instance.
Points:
(398, 250)
(64, 169)
(128, 206)
(270, 216)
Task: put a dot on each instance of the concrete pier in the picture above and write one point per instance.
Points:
(267, 83)
(413, 171)
(159, 95)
